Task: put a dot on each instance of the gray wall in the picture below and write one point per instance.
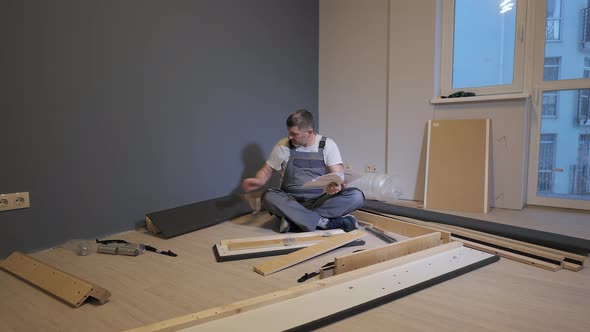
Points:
(114, 109)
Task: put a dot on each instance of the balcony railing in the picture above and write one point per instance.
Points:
(585, 28)
(552, 29)
(580, 179)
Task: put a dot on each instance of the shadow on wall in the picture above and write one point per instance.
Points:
(253, 158)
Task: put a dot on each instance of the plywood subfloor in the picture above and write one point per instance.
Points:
(505, 296)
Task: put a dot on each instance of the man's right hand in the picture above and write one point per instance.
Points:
(251, 184)
(262, 177)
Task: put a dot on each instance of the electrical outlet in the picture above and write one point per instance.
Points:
(14, 201)
(371, 168)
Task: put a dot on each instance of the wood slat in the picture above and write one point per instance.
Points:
(277, 240)
(398, 226)
(352, 297)
(289, 293)
(63, 285)
(509, 255)
(524, 247)
(380, 254)
(330, 243)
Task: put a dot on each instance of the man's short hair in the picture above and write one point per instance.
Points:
(303, 119)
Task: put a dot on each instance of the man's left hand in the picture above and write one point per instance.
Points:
(333, 188)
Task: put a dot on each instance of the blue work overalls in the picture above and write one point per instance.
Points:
(304, 206)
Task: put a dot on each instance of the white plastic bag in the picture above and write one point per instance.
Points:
(379, 187)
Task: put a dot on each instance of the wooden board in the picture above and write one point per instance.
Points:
(278, 240)
(330, 243)
(457, 165)
(398, 226)
(546, 239)
(510, 255)
(289, 293)
(321, 307)
(224, 254)
(368, 257)
(65, 286)
(575, 263)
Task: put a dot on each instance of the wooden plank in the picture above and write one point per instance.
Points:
(376, 255)
(223, 254)
(289, 293)
(283, 262)
(398, 226)
(278, 240)
(457, 165)
(63, 285)
(572, 266)
(150, 226)
(509, 255)
(525, 247)
(323, 306)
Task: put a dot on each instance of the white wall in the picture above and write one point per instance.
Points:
(375, 91)
(411, 81)
(353, 79)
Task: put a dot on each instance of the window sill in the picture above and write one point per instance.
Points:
(477, 99)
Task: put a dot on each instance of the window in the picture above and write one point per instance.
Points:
(561, 97)
(483, 46)
(549, 104)
(581, 171)
(550, 73)
(583, 114)
(551, 69)
(552, 32)
(546, 161)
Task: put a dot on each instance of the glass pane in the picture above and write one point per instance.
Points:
(484, 41)
(564, 39)
(564, 149)
(549, 103)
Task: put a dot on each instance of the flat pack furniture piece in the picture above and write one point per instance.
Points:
(551, 240)
(330, 243)
(188, 218)
(458, 165)
(357, 260)
(524, 252)
(272, 245)
(368, 287)
(58, 283)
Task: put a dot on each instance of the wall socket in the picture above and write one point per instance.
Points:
(14, 201)
(371, 168)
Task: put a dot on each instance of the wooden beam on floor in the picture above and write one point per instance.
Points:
(63, 285)
(509, 255)
(575, 261)
(333, 303)
(399, 227)
(227, 310)
(372, 256)
(279, 240)
(283, 262)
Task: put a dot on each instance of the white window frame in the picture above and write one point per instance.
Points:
(448, 22)
(541, 86)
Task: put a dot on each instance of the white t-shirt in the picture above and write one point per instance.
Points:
(279, 156)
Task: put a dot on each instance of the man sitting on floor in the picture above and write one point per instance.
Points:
(302, 157)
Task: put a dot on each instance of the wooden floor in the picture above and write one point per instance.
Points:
(504, 296)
